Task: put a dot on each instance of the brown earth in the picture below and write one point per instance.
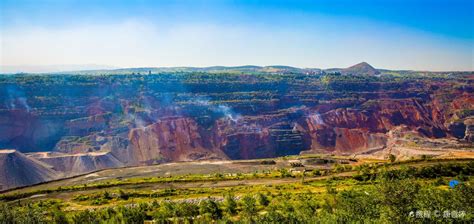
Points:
(88, 123)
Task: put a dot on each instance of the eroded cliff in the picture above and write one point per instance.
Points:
(96, 122)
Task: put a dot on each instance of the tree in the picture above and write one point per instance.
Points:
(210, 208)
(262, 199)
(30, 214)
(165, 211)
(330, 189)
(392, 158)
(59, 217)
(284, 172)
(85, 216)
(249, 208)
(7, 214)
(316, 172)
(186, 210)
(106, 195)
(123, 195)
(357, 206)
(230, 204)
(397, 199)
(133, 214)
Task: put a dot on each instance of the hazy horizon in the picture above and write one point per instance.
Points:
(399, 35)
(7, 69)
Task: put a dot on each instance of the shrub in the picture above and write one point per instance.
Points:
(100, 201)
(106, 195)
(248, 205)
(81, 197)
(59, 217)
(85, 216)
(268, 162)
(230, 204)
(262, 199)
(209, 207)
(133, 214)
(186, 210)
(284, 172)
(392, 158)
(316, 173)
(296, 164)
(123, 195)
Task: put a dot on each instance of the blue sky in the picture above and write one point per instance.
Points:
(395, 34)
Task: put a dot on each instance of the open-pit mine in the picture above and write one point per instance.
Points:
(55, 126)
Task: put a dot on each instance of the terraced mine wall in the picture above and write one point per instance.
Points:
(156, 118)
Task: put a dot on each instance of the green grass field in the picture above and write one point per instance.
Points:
(280, 192)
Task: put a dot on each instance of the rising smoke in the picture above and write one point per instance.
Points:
(16, 99)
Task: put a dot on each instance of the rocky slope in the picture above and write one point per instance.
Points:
(18, 170)
(361, 68)
(90, 122)
(79, 163)
(170, 139)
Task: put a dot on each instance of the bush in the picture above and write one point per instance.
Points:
(123, 195)
(284, 173)
(296, 164)
(106, 195)
(210, 208)
(186, 210)
(248, 205)
(59, 217)
(262, 199)
(230, 204)
(316, 173)
(268, 162)
(81, 197)
(133, 214)
(397, 199)
(392, 158)
(100, 201)
(165, 211)
(85, 216)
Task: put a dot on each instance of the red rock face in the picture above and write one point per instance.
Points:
(355, 140)
(22, 129)
(248, 145)
(83, 126)
(259, 136)
(146, 119)
(341, 131)
(151, 119)
(15, 123)
(354, 130)
(462, 102)
(170, 139)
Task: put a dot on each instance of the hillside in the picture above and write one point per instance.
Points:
(362, 68)
(90, 122)
(78, 163)
(18, 170)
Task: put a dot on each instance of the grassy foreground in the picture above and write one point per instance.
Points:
(413, 192)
